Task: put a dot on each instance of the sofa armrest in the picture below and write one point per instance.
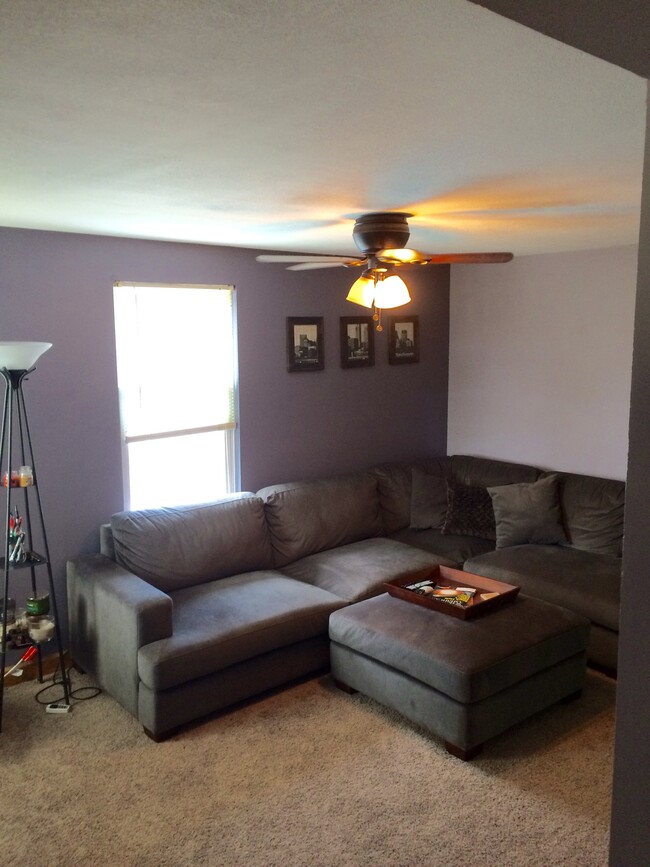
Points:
(112, 613)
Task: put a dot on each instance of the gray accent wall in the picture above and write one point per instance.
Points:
(59, 287)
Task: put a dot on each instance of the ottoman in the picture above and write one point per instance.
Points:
(463, 680)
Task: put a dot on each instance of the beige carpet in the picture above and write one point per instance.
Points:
(306, 776)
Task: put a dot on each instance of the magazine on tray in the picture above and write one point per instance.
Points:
(462, 596)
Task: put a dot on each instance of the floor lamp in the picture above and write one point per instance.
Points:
(17, 361)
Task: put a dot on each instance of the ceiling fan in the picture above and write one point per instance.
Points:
(381, 237)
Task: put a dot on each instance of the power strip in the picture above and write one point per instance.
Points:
(58, 707)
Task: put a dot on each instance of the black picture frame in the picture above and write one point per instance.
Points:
(305, 343)
(404, 339)
(357, 341)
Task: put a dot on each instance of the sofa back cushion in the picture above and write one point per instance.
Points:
(183, 546)
(306, 517)
(486, 473)
(395, 488)
(429, 500)
(593, 510)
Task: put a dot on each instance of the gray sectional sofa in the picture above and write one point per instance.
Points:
(188, 610)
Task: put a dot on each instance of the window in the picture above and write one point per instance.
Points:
(176, 375)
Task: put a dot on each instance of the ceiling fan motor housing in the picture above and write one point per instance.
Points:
(381, 231)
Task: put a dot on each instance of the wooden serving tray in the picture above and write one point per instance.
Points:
(454, 578)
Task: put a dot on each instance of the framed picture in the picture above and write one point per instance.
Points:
(404, 340)
(305, 343)
(357, 341)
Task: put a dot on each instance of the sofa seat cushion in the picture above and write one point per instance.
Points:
(456, 549)
(231, 620)
(183, 546)
(359, 570)
(306, 517)
(587, 583)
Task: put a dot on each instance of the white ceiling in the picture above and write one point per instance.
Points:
(271, 124)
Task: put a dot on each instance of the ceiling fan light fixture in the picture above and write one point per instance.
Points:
(391, 292)
(362, 291)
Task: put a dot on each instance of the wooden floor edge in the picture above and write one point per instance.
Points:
(30, 670)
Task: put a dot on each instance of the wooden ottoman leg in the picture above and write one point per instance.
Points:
(460, 753)
(163, 736)
(344, 687)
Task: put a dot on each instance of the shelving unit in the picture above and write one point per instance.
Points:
(17, 362)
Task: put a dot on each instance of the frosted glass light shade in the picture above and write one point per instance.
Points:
(21, 354)
(362, 291)
(391, 292)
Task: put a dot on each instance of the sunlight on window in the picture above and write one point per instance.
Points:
(176, 376)
(178, 471)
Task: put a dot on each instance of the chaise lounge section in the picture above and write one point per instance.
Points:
(582, 515)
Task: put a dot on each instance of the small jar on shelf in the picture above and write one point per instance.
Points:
(40, 628)
(25, 477)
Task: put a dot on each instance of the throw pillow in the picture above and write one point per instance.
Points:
(428, 501)
(469, 512)
(528, 513)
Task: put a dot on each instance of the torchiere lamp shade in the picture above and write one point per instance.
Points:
(21, 354)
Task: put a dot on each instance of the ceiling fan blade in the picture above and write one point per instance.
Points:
(402, 256)
(297, 257)
(468, 258)
(310, 266)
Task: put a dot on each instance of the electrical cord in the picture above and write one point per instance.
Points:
(74, 694)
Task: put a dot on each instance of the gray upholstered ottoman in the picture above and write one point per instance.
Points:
(464, 680)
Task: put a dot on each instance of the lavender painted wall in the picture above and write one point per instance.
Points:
(302, 425)
(540, 360)
(58, 287)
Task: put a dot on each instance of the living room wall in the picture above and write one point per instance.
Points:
(59, 287)
(541, 358)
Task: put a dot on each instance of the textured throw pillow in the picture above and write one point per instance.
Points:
(469, 512)
(528, 513)
(428, 501)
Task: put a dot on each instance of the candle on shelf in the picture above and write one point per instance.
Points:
(25, 477)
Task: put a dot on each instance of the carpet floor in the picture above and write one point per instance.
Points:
(305, 776)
